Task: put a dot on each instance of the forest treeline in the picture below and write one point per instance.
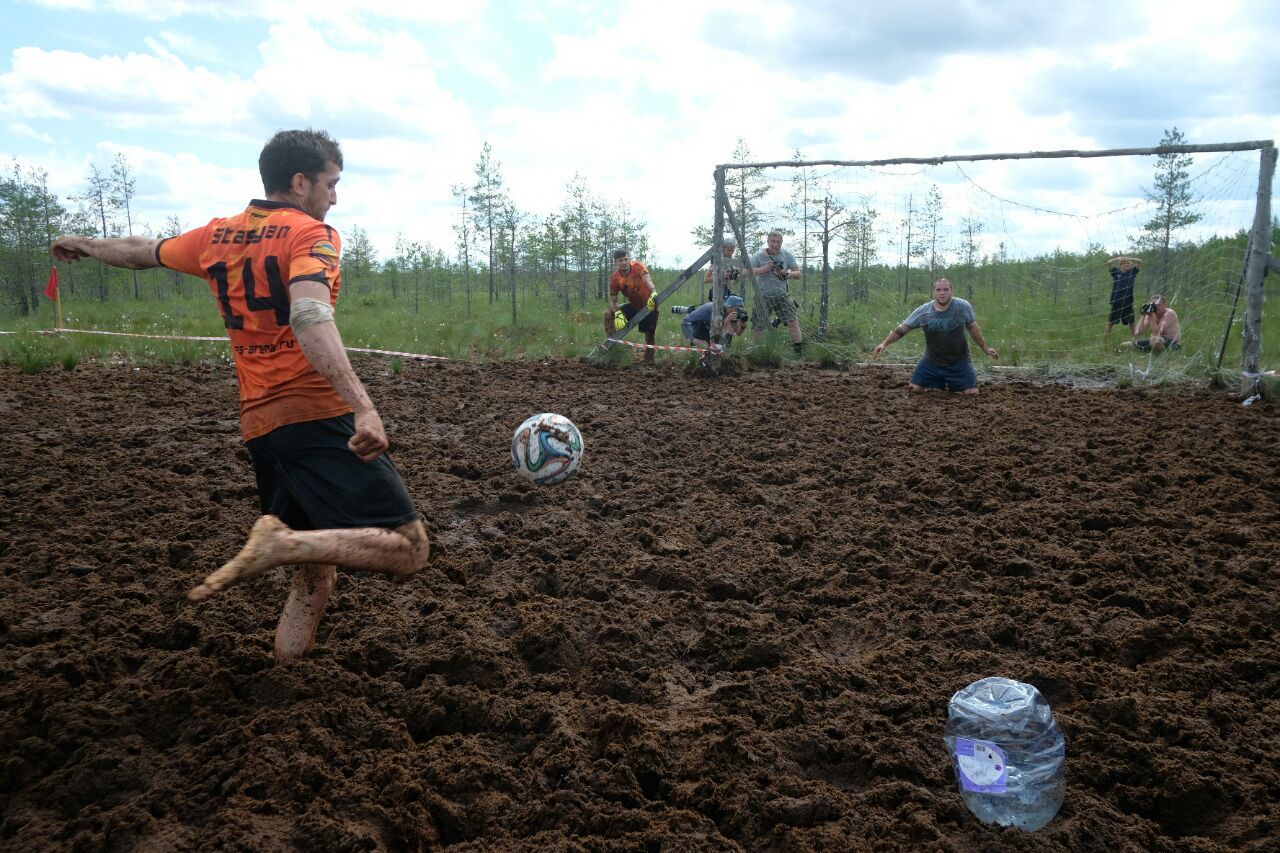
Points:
(502, 254)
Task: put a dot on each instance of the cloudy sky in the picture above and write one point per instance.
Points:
(641, 98)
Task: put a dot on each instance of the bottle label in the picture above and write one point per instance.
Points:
(982, 765)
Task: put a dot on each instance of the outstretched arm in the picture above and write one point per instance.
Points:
(133, 253)
(975, 332)
(895, 335)
(322, 345)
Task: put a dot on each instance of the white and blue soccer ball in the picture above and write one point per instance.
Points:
(546, 449)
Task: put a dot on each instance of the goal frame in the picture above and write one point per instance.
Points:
(1260, 259)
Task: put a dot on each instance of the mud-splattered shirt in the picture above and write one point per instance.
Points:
(944, 331)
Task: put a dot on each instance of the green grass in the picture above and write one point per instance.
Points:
(1027, 327)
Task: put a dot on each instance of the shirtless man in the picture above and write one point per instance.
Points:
(1161, 322)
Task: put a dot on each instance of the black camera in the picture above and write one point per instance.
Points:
(733, 273)
(743, 317)
(1149, 308)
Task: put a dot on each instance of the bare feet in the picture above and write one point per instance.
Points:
(266, 548)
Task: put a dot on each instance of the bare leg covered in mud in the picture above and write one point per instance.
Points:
(401, 552)
(308, 594)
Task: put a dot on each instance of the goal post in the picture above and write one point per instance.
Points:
(1030, 233)
(1260, 260)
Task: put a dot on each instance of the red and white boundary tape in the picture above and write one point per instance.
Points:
(224, 339)
(655, 346)
(413, 355)
(132, 335)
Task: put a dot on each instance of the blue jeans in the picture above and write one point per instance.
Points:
(955, 377)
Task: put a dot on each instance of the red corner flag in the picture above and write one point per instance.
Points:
(51, 289)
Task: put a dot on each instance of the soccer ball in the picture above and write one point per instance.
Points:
(546, 449)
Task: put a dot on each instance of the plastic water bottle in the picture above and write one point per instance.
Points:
(1009, 754)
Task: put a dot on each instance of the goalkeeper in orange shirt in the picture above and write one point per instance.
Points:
(632, 279)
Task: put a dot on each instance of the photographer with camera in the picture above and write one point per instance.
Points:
(730, 270)
(1161, 323)
(697, 322)
(774, 267)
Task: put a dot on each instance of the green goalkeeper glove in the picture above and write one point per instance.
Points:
(652, 304)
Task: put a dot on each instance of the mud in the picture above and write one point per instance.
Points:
(736, 628)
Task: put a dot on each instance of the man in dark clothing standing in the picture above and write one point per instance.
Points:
(1124, 272)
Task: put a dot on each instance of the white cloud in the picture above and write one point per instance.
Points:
(641, 98)
(124, 91)
(335, 11)
(21, 128)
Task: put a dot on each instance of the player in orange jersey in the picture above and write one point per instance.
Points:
(632, 280)
(329, 495)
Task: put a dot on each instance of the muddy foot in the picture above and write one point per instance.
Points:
(265, 549)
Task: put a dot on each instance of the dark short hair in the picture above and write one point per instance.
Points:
(619, 254)
(292, 151)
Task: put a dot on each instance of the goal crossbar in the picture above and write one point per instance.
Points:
(1255, 145)
(1258, 263)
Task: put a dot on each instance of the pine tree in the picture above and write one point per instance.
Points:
(828, 221)
(358, 257)
(97, 201)
(488, 199)
(745, 188)
(462, 230)
(932, 221)
(123, 189)
(804, 198)
(1175, 206)
(578, 224)
(859, 251)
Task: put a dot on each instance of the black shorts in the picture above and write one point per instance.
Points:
(310, 479)
(1121, 310)
(1171, 346)
(649, 325)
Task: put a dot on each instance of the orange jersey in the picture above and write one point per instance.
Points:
(631, 285)
(249, 261)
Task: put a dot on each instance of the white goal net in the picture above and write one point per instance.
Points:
(1028, 240)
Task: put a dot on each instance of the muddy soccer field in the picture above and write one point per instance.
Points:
(736, 629)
